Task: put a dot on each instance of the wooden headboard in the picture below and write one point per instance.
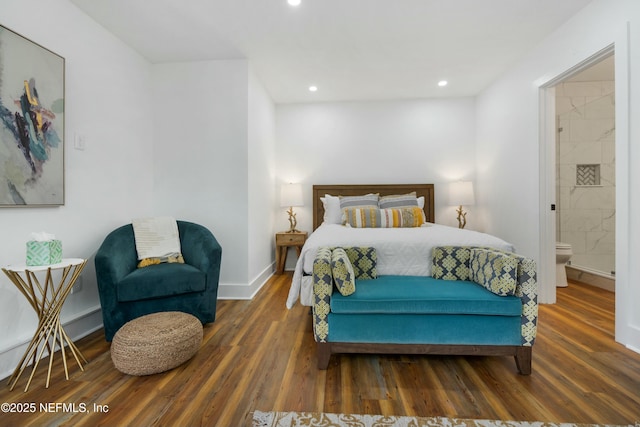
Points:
(425, 190)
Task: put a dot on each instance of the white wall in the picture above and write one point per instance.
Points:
(213, 162)
(509, 147)
(383, 142)
(261, 194)
(200, 152)
(107, 100)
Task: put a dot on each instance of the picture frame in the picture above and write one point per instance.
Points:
(32, 106)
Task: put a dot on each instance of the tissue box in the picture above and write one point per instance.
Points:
(44, 253)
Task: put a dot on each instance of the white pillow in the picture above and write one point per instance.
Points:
(421, 202)
(332, 212)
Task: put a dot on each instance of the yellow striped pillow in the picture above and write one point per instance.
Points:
(361, 217)
(383, 218)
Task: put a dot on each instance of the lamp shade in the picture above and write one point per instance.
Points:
(461, 193)
(291, 195)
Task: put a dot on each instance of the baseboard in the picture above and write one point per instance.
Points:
(241, 291)
(77, 327)
(597, 280)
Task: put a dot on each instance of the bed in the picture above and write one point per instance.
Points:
(401, 251)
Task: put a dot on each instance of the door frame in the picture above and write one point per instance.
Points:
(547, 135)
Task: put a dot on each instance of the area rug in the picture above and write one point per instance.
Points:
(315, 419)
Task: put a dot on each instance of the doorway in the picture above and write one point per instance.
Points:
(585, 172)
(625, 309)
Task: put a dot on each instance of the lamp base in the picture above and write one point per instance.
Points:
(462, 217)
(292, 221)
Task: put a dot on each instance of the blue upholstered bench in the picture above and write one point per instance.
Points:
(425, 315)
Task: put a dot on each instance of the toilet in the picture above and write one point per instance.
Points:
(563, 255)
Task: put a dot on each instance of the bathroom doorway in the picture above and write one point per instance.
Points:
(585, 172)
(626, 331)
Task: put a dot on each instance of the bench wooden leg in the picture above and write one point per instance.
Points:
(324, 354)
(523, 360)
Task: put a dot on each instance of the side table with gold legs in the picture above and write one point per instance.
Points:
(47, 300)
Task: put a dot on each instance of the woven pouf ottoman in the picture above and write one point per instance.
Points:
(156, 343)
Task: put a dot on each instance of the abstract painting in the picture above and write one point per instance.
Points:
(31, 123)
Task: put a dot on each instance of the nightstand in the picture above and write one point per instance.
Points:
(285, 240)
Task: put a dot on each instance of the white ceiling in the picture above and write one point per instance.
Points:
(350, 49)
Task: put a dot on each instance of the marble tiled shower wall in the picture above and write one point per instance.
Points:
(586, 140)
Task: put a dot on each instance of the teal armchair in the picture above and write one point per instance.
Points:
(127, 292)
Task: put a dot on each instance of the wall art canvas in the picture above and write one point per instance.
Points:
(31, 123)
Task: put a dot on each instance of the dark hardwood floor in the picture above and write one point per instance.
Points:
(260, 356)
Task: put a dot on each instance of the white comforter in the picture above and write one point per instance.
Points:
(401, 251)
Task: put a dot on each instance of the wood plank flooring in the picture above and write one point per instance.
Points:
(260, 356)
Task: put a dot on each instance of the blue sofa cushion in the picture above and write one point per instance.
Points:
(424, 295)
(452, 329)
(162, 280)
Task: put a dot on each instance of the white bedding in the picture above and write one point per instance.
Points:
(401, 251)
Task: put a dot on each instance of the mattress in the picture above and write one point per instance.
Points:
(401, 251)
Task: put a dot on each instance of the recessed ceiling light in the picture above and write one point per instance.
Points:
(293, 2)
(313, 88)
(442, 83)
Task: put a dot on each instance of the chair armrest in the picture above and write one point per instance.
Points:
(116, 257)
(526, 282)
(200, 249)
(527, 291)
(322, 290)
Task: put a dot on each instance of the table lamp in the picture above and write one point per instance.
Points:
(290, 196)
(461, 194)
